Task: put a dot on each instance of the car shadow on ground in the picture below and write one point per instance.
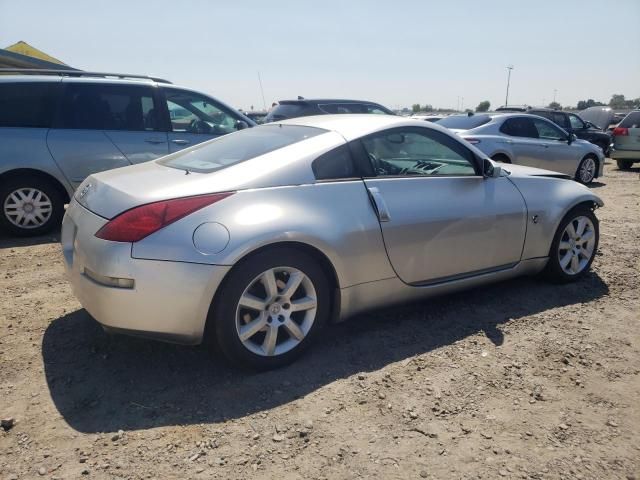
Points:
(102, 383)
(9, 241)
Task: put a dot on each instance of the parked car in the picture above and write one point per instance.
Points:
(626, 141)
(257, 116)
(209, 244)
(427, 117)
(303, 107)
(572, 123)
(601, 117)
(513, 108)
(524, 139)
(56, 130)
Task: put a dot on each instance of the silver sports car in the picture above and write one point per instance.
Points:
(530, 140)
(255, 240)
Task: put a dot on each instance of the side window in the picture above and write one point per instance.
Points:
(28, 105)
(418, 152)
(335, 164)
(576, 122)
(193, 113)
(109, 107)
(548, 131)
(375, 109)
(519, 127)
(560, 119)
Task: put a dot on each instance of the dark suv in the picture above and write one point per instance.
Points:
(572, 123)
(305, 107)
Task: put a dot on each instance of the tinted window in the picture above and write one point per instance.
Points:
(109, 107)
(193, 113)
(239, 147)
(334, 164)
(463, 122)
(417, 152)
(548, 131)
(26, 104)
(519, 127)
(333, 108)
(542, 113)
(576, 122)
(288, 110)
(631, 121)
(560, 119)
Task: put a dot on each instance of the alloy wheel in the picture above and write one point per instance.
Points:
(577, 245)
(276, 311)
(28, 208)
(587, 170)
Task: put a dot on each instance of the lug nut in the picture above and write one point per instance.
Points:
(281, 318)
(286, 306)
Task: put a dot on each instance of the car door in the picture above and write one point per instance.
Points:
(101, 126)
(557, 154)
(440, 218)
(195, 118)
(522, 138)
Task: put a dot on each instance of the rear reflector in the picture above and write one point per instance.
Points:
(140, 222)
(620, 132)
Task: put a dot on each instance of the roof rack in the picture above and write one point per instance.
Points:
(77, 73)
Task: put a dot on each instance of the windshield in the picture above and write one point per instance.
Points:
(464, 122)
(239, 147)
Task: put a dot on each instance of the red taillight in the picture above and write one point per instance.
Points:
(139, 222)
(620, 132)
(473, 141)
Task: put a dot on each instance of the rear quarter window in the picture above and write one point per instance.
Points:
(334, 165)
(27, 105)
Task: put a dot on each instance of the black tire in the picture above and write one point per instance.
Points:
(554, 271)
(223, 332)
(624, 164)
(578, 178)
(25, 183)
(500, 157)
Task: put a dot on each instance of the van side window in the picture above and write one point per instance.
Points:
(27, 104)
(109, 107)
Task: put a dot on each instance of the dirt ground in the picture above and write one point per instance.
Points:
(517, 380)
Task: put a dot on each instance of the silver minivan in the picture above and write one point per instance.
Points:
(57, 129)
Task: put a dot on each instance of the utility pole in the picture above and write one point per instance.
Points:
(262, 91)
(554, 94)
(462, 105)
(506, 98)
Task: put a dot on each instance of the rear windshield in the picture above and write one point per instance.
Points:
(239, 147)
(464, 122)
(631, 121)
(353, 108)
(287, 110)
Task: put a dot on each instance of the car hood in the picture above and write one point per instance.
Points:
(600, 116)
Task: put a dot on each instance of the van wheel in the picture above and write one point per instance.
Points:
(30, 206)
(624, 164)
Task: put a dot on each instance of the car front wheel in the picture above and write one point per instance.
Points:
(30, 206)
(271, 308)
(574, 246)
(587, 170)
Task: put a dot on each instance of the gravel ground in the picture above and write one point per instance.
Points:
(517, 380)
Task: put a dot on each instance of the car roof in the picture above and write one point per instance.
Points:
(67, 79)
(356, 125)
(325, 100)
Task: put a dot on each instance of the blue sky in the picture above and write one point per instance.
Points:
(396, 52)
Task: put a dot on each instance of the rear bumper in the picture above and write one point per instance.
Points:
(625, 154)
(163, 299)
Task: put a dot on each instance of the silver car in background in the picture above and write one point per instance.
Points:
(529, 140)
(255, 240)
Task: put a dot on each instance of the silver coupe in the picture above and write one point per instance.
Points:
(256, 240)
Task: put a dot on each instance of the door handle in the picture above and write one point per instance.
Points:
(179, 141)
(379, 204)
(154, 140)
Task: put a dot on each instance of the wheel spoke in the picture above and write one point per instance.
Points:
(268, 279)
(564, 246)
(254, 326)
(295, 279)
(586, 236)
(571, 230)
(575, 263)
(301, 304)
(293, 329)
(564, 261)
(269, 343)
(252, 302)
(582, 223)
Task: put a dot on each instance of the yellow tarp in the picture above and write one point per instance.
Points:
(24, 48)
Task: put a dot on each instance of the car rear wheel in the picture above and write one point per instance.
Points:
(624, 164)
(271, 308)
(574, 246)
(587, 170)
(30, 206)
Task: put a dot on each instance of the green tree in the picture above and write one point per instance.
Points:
(582, 104)
(415, 107)
(555, 106)
(483, 106)
(617, 101)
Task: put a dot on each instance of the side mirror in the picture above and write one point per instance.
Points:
(490, 169)
(241, 125)
(572, 138)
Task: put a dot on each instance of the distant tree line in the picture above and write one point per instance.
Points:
(617, 101)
